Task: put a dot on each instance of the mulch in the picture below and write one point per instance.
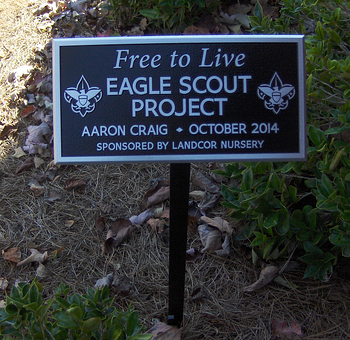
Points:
(216, 306)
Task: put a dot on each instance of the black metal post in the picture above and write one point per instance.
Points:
(179, 194)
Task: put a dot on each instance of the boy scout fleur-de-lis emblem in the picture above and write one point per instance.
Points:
(82, 98)
(276, 95)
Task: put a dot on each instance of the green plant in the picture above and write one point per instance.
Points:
(163, 15)
(305, 205)
(89, 316)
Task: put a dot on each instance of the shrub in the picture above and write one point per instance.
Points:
(170, 16)
(305, 205)
(89, 316)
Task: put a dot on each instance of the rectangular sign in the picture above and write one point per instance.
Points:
(179, 99)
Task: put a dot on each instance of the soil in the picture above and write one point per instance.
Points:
(67, 225)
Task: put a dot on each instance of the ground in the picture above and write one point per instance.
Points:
(67, 223)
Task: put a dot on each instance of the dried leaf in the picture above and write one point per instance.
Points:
(157, 224)
(162, 331)
(53, 196)
(141, 218)
(197, 195)
(38, 162)
(159, 196)
(36, 256)
(19, 153)
(26, 111)
(204, 183)
(36, 188)
(196, 30)
(208, 202)
(266, 276)
(210, 238)
(38, 134)
(197, 294)
(118, 231)
(100, 223)
(281, 281)
(225, 247)
(285, 332)
(42, 271)
(122, 285)
(19, 72)
(105, 281)
(3, 283)
(75, 184)
(28, 163)
(192, 255)
(219, 223)
(6, 130)
(12, 254)
(157, 184)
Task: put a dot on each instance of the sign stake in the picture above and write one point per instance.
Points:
(179, 195)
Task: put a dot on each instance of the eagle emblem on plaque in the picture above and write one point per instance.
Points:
(83, 98)
(276, 95)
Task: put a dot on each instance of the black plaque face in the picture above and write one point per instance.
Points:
(179, 99)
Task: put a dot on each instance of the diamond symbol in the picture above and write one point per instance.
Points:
(179, 129)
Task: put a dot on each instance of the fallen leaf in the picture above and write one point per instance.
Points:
(225, 247)
(157, 184)
(122, 285)
(204, 183)
(192, 255)
(38, 162)
(105, 281)
(117, 232)
(100, 223)
(197, 294)
(157, 224)
(209, 201)
(19, 153)
(197, 195)
(19, 72)
(192, 223)
(162, 331)
(210, 238)
(219, 223)
(3, 283)
(38, 134)
(42, 271)
(12, 254)
(36, 256)
(28, 163)
(6, 130)
(34, 81)
(141, 218)
(265, 277)
(26, 111)
(53, 196)
(196, 30)
(75, 184)
(36, 188)
(280, 280)
(285, 332)
(159, 196)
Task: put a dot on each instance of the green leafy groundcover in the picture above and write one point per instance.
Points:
(89, 316)
(305, 206)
